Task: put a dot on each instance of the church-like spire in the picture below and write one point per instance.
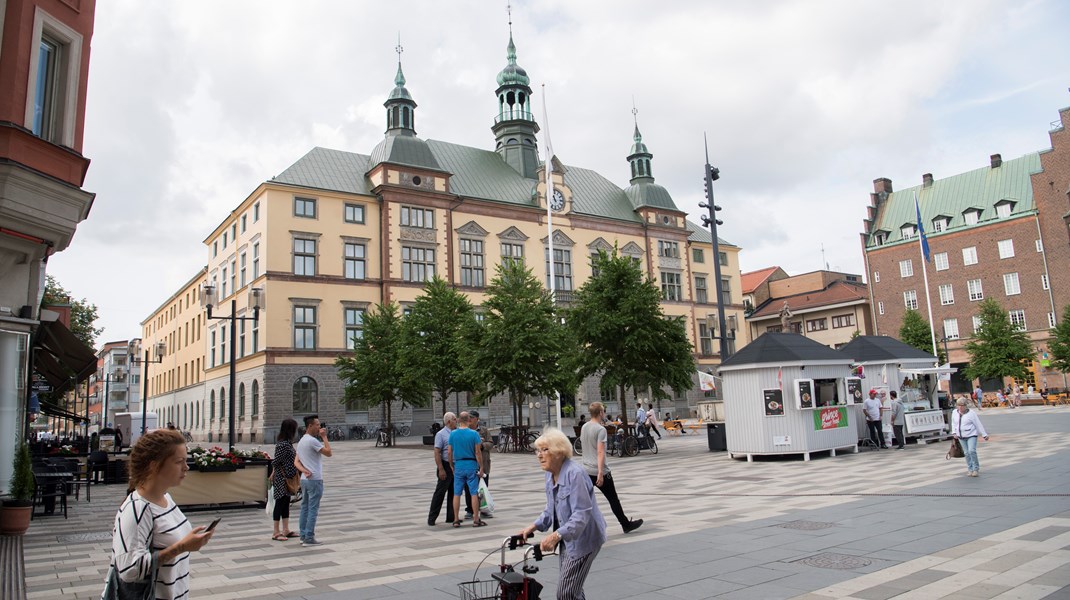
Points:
(400, 107)
(514, 125)
(639, 156)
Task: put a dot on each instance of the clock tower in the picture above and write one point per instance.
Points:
(514, 126)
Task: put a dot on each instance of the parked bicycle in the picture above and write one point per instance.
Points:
(360, 432)
(188, 436)
(383, 435)
(507, 583)
(516, 439)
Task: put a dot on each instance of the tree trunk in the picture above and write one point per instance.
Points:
(623, 410)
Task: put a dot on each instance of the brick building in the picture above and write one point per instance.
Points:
(826, 306)
(1000, 232)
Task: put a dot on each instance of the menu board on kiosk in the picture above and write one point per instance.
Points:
(854, 390)
(804, 394)
(774, 402)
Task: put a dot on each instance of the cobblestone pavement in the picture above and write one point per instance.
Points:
(872, 525)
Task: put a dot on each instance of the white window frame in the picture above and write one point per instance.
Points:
(972, 216)
(906, 268)
(1051, 320)
(976, 323)
(1044, 283)
(672, 289)
(969, 256)
(1003, 210)
(65, 103)
(947, 294)
(880, 308)
(353, 328)
(977, 295)
(1011, 285)
(940, 261)
(951, 329)
(910, 299)
(876, 276)
(908, 231)
(1017, 318)
(1006, 249)
(1040, 245)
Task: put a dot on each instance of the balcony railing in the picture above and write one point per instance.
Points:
(514, 115)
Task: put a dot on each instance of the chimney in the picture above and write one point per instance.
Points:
(882, 185)
(997, 160)
(927, 180)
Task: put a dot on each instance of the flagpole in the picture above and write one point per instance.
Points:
(550, 220)
(925, 277)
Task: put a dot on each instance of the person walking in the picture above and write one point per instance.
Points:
(310, 452)
(898, 420)
(1017, 396)
(872, 409)
(593, 435)
(652, 420)
(467, 461)
(640, 419)
(283, 467)
(966, 426)
(443, 472)
(152, 540)
(978, 396)
(571, 514)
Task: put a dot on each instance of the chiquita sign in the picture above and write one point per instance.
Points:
(830, 418)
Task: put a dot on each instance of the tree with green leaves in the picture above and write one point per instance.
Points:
(915, 332)
(521, 344)
(999, 348)
(377, 372)
(1059, 345)
(623, 334)
(437, 330)
(83, 313)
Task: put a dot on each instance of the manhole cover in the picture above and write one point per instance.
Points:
(806, 525)
(831, 560)
(95, 536)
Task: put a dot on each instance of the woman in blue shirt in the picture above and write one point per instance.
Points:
(571, 514)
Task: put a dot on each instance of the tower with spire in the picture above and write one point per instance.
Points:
(514, 126)
(400, 145)
(643, 192)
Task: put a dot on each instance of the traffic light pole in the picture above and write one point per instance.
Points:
(713, 174)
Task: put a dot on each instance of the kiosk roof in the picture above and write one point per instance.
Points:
(881, 348)
(780, 348)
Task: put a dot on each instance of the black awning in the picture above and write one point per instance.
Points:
(54, 411)
(60, 356)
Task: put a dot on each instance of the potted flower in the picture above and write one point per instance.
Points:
(17, 508)
(252, 457)
(213, 460)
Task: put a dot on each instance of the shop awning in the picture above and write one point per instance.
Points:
(55, 411)
(60, 356)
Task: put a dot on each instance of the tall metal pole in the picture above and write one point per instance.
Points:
(233, 372)
(87, 416)
(145, 394)
(713, 174)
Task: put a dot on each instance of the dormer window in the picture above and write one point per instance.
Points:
(908, 231)
(940, 223)
(880, 238)
(972, 216)
(1004, 208)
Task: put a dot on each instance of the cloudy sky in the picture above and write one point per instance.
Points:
(193, 103)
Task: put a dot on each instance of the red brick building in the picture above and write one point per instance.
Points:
(1000, 232)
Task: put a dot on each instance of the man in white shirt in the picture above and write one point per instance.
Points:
(871, 407)
(310, 452)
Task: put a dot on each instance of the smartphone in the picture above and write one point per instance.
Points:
(214, 523)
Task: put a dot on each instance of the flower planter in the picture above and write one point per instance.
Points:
(15, 518)
(214, 468)
(245, 486)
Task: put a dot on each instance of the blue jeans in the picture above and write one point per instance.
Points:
(969, 448)
(312, 491)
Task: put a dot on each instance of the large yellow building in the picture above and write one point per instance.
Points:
(338, 232)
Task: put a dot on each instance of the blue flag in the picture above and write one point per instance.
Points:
(921, 230)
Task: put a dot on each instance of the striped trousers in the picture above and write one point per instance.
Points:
(571, 575)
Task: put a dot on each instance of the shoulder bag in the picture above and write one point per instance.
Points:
(293, 484)
(956, 449)
(117, 589)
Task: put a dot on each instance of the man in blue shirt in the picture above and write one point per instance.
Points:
(467, 462)
(443, 471)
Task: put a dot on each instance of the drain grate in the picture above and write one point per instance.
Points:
(831, 560)
(95, 536)
(806, 525)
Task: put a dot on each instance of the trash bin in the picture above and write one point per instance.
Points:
(716, 437)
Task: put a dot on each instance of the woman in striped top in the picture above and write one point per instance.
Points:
(149, 522)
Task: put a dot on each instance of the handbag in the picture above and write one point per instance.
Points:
(117, 589)
(293, 484)
(955, 451)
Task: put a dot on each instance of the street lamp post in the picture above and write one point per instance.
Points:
(133, 349)
(711, 221)
(256, 301)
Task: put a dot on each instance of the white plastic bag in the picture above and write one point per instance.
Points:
(269, 508)
(486, 501)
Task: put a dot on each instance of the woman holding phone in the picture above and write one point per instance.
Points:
(152, 539)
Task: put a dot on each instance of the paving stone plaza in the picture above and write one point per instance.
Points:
(904, 524)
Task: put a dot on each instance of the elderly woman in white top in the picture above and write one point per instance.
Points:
(966, 426)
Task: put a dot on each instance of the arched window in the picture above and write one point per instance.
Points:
(241, 399)
(211, 405)
(222, 403)
(306, 396)
(256, 398)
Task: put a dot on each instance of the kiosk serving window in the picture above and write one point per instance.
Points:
(827, 393)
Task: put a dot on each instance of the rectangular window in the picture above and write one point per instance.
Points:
(908, 231)
(1010, 284)
(1006, 248)
(256, 336)
(705, 340)
(243, 280)
(1018, 319)
(223, 344)
(562, 269)
(1040, 245)
(698, 255)
(939, 225)
(1044, 282)
(971, 217)
(947, 294)
(843, 321)
(594, 265)
(817, 324)
(701, 292)
(670, 286)
(256, 212)
(354, 326)
(417, 264)
(973, 286)
(211, 347)
(244, 222)
(722, 257)
(969, 255)
(940, 260)
(417, 217)
(234, 232)
(305, 207)
(256, 260)
(241, 339)
(304, 327)
(976, 323)
(512, 251)
(906, 268)
(224, 240)
(1051, 320)
(354, 213)
(223, 291)
(48, 99)
(304, 257)
(670, 249)
(726, 290)
(880, 308)
(215, 248)
(951, 329)
(1003, 210)
(234, 275)
(876, 276)
(472, 263)
(354, 260)
(910, 299)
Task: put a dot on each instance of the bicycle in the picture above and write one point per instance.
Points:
(507, 584)
(188, 436)
(335, 434)
(516, 439)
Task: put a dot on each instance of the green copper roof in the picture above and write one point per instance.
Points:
(702, 235)
(644, 192)
(638, 147)
(399, 92)
(330, 170)
(952, 196)
(512, 74)
(402, 149)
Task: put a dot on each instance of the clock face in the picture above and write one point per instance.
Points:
(557, 203)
